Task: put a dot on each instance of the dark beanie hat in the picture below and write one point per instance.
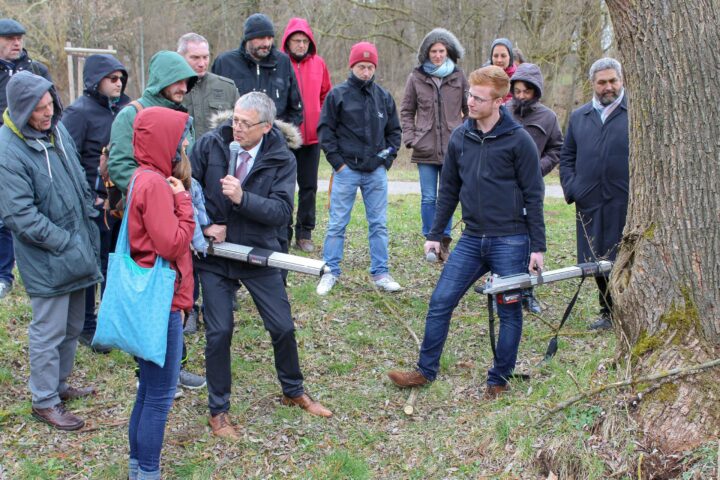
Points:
(258, 25)
(363, 52)
(9, 27)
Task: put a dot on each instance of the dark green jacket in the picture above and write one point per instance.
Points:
(211, 95)
(45, 200)
(166, 68)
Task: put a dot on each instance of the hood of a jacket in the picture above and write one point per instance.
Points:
(505, 125)
(454, 48)
(508, 44)
(24, 91)
(166, 68)
(98, 67)
(529, 73)
(223, 121)
(157, 132)
(298, 25)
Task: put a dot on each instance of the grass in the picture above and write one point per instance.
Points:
(347, 342)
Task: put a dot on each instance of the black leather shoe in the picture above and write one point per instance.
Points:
(602, 323)
(86, 339)
(531, 305)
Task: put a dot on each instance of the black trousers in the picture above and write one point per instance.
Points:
(604, 297)
(308, 159)
(268, 294)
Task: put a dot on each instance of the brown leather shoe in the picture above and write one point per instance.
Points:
(407, 379)
(494, 391)
(221, 426)
(56, 416)
(308, 404)
(72, 393)
(305, 244)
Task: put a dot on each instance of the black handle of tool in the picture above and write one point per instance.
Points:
(553, 345)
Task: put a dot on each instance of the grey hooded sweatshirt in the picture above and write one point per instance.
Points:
(540, 122)
(45, 200)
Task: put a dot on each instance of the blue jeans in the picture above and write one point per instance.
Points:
(7, 255)
(471, 259)
(429, 178)
(154, 399)
(373, 186)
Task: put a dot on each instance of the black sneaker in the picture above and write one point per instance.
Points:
(86, 339)
(602, 323)
(530, 304)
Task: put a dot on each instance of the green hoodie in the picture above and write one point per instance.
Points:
(165, 69)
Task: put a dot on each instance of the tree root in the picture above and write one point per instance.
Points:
(665, 377)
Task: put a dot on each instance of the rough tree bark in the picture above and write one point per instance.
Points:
(666, 283)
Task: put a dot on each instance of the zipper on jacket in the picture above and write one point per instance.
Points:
(47, 158)
(299, 80)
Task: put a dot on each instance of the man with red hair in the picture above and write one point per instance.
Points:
(492, 169)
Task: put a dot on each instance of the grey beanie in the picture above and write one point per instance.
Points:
(258, 25)
(9, 27)
(507, 44)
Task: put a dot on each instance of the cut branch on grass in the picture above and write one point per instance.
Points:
(665, 377)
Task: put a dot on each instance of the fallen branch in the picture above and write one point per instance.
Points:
(677, 372)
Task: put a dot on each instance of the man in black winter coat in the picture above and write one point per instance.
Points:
(257, 66)
(492, 169)
(89, 120)
(595, 173)
(13, 59)
(360, 133)
(247, 207)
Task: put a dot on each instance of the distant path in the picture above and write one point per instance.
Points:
(403, 188)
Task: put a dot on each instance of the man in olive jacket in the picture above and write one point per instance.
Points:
(212, 94)
(46, 202)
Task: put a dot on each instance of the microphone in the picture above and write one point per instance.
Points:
(232, 165)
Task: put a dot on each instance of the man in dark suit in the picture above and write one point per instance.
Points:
(594, 172)
(248, 208)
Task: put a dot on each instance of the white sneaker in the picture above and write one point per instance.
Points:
(327, 282)
(387, 283)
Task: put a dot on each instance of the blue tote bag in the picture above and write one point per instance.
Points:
(135, 307)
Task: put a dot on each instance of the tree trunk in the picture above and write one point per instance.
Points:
(666, 279)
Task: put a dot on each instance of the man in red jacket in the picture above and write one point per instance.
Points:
(314, 83)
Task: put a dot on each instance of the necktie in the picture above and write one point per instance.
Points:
(242, 168)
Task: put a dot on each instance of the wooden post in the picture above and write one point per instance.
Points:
(71, 77)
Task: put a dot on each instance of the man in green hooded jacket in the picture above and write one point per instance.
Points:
(170, 79)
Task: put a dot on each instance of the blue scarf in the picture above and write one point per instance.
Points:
(440, 71)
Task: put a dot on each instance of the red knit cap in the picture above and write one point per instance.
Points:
(363, 52)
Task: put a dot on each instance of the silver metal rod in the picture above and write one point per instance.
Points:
(496, 284)
(268, 258)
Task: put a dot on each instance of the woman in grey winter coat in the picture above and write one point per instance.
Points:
(434, 104)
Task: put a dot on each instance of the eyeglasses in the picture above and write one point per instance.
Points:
(301, 41)
(244, 125)
(114, 78)
(476, 98)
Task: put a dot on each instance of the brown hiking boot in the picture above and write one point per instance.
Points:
(56, 416)
(308, 404)
(445, 249)
(305, 244)
(221, 426)
(494, 391)
(407, 379)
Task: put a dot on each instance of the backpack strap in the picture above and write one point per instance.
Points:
(138, 106)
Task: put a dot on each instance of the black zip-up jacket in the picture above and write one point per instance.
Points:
(22, 63)
(359, 120)
(267, 201)
(273, 75)
(90, 117)
(496, 178)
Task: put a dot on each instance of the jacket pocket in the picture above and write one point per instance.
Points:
(76, 262)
